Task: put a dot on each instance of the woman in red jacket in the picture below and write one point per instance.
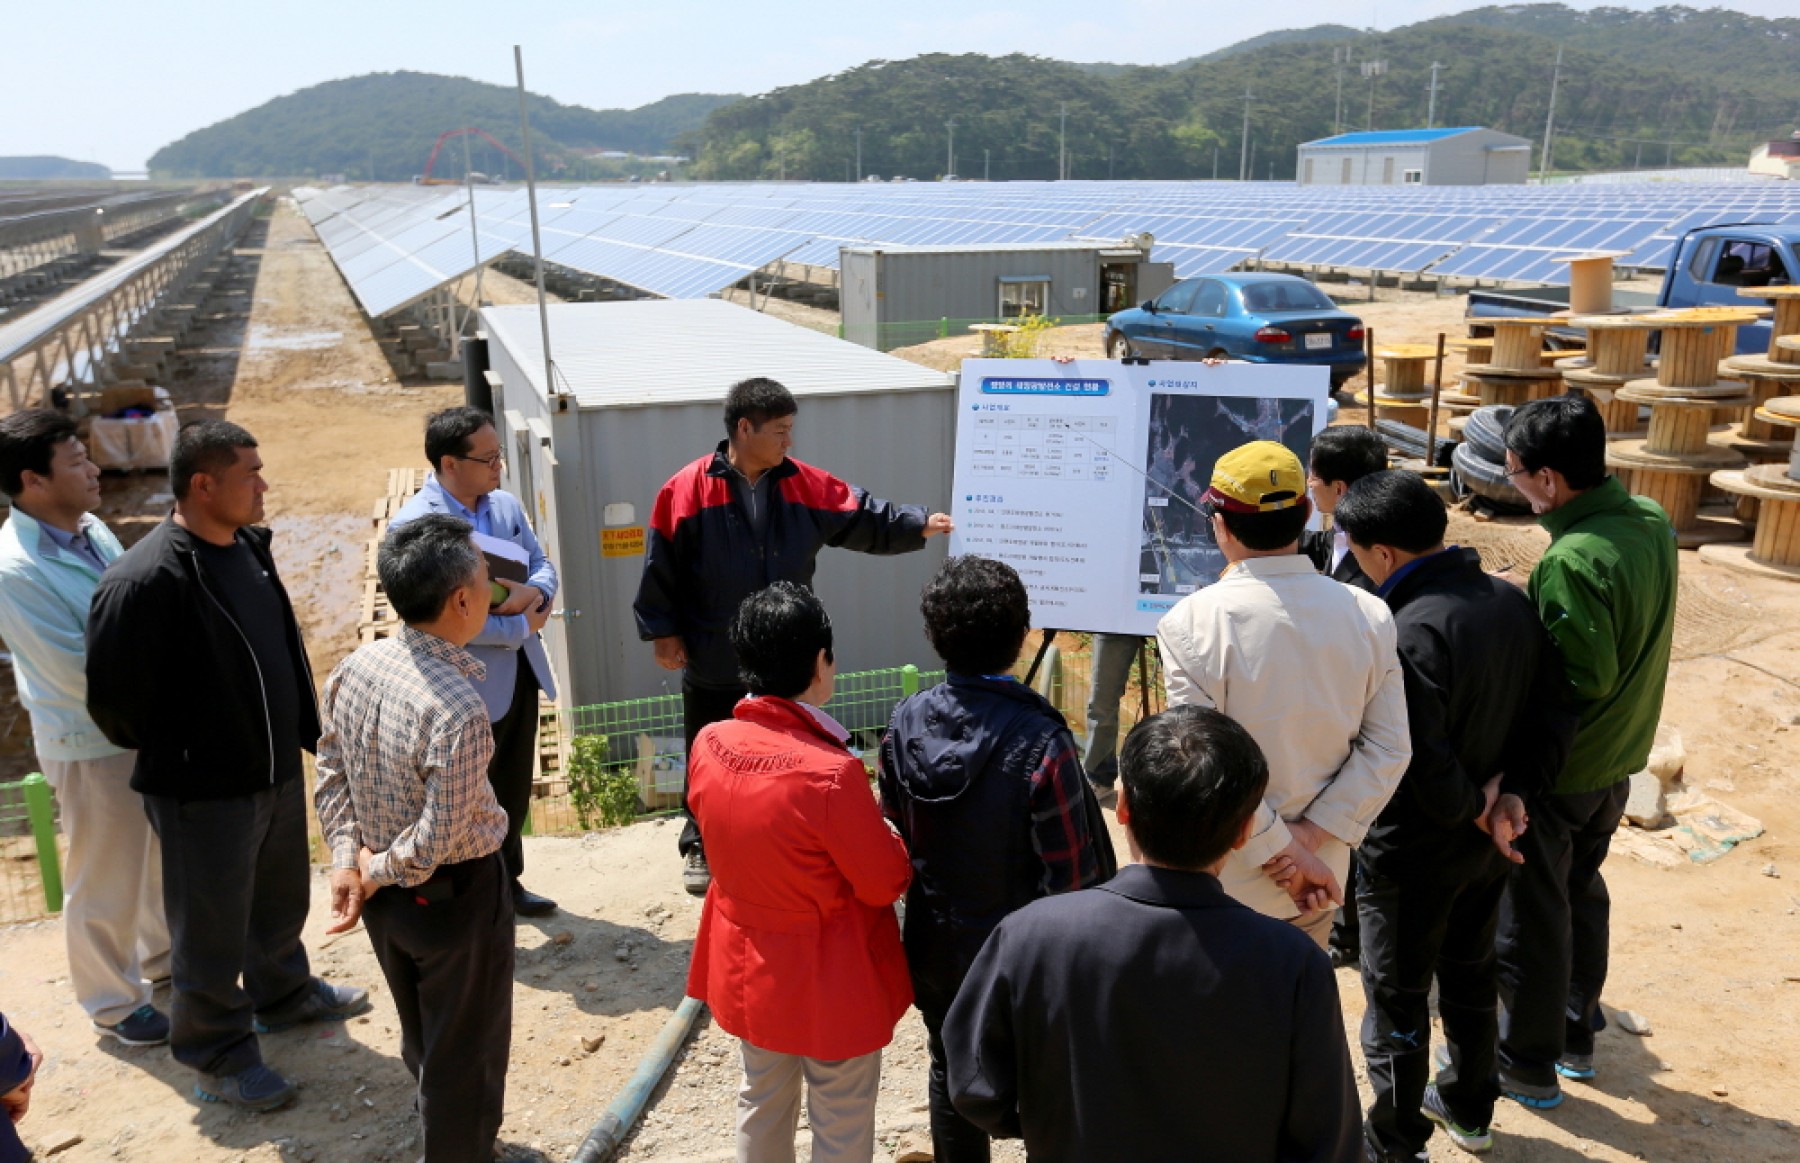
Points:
(798, 953)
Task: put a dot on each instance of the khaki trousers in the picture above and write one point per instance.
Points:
(1317, 925)
(840, 1106)
(112, 886)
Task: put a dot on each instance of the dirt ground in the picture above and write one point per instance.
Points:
(1710, 954)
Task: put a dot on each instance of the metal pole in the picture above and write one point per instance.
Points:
(1339, 58)
(1550, 117)
(1062, 146)
(36, 790)
(950, 149)
(537, 241)
(1437, 387)
(1431, 102)
(1369, 370)
(474, 233)
(984, 165)
(1244, 141)
(859, 169)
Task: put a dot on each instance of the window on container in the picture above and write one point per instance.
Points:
(1027, 295)
(1412, 177)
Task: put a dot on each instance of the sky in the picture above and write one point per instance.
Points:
(150, 73)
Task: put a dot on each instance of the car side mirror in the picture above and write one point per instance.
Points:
(1149, 305)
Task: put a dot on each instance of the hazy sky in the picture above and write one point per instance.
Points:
(113, 80)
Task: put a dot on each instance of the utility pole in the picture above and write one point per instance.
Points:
(1215, 176)
(1431, 105)
(1062, 146)
(1550, 117)
(1109, 171)
(859, 169)
(537, 241)
(1244, 141)
(950, 150)
(985, 159)
(1371, 70)
(1339, 58)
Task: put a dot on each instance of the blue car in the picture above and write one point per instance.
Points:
(1259, 318)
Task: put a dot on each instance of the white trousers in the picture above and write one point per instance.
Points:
(840, 1106)
(112, 886)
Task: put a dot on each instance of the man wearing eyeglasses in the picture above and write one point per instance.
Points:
(463, 448)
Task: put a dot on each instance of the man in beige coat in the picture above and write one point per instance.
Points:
(1308, 666)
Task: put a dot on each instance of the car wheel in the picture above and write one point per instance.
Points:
(1118, 347)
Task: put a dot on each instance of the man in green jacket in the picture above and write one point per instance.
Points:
(1606, 590)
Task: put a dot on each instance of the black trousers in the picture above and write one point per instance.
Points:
(514, 763)
(699, 706)
(1438, 922)
(1554, 930)
(446, 949)
(236, 886)
(954, 1139)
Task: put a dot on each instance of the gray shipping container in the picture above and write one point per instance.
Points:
(894, 296)
(640, 393)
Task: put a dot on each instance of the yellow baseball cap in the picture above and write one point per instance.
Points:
(1259, 477)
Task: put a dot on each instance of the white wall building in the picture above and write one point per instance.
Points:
(1464, 156)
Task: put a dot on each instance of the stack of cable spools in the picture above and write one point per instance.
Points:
(1775, 488)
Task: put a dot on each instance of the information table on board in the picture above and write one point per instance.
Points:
(1086, 476)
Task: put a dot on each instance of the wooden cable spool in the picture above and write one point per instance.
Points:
(1775, 551)
(1617, 354)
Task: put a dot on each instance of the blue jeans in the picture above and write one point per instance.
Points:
(1108, 675)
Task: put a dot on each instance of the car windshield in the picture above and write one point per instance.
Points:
(1295, 296)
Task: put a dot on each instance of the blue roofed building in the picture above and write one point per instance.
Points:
(1466, 155)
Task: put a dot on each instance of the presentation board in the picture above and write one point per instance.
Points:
(1086, 476)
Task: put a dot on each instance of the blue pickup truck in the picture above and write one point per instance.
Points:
(1707, 267)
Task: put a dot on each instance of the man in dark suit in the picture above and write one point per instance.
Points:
(1341, 456)
(1232, 1045)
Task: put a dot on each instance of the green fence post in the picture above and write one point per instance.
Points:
(43, 829)
(944, 328)
(909, 680)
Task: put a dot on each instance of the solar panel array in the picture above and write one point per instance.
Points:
(395, 245)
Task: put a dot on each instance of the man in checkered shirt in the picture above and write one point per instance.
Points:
(415, 832)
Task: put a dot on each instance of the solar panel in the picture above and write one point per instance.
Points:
(694, 240)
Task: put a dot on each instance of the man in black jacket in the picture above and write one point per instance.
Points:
(730, 524)
(980, 777)
(1486, 711)
(195, 661)
(1154, 1018)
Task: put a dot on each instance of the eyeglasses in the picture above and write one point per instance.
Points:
(1520, 472)
(489, 461)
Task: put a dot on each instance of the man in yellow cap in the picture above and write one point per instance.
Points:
(1308, 666)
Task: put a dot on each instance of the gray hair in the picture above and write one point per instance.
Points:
(423, 562)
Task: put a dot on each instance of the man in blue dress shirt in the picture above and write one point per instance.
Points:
(464, 450)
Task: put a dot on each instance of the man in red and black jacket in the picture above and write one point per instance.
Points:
(731, 523)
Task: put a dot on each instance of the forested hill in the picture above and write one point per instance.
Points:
(1672, 86)
(382, 126)
(42, 168)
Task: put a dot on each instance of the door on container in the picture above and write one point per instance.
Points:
(1387, 171)
(1118, 286)
(537, 472)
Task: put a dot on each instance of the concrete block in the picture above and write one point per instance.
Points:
(444, 370)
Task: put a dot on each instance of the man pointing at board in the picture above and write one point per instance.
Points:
(731, 523)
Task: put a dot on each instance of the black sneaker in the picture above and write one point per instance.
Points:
(696, 877)
(1475, 1140)
(319, 1002)
(147, 1026)
(257, 1088)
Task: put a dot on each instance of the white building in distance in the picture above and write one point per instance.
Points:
(1463, 156)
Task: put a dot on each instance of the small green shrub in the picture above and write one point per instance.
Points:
(604, 794)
